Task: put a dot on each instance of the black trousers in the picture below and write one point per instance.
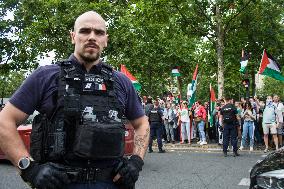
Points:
(156, 130)
(230, 131)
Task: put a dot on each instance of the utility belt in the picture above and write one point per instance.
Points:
(89, 174)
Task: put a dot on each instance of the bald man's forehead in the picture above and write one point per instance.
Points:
(90, 20)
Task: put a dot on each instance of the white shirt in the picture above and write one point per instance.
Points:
(279, 110)
(184, 116)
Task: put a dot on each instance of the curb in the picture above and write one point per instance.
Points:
(198, 148)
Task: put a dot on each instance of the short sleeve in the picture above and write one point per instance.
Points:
(37, 90)
(128, 96)
(28, 95)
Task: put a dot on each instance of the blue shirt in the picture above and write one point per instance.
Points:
(37, 91)
(269, 113)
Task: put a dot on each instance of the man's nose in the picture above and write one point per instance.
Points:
(92, 36)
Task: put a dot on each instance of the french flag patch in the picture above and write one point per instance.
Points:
(101, 87)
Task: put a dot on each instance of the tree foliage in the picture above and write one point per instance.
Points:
(151, 37)
(271, 89)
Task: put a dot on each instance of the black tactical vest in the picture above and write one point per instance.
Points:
(88, 123)
(154, 116)
(229, 115)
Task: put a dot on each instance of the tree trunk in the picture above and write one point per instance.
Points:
(220, 52)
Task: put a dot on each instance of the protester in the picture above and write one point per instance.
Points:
(219, 129)
(255, 105)
(240, 121)
(279, 111)
(184, 113)
(199, 120)
(169, 122)
(269, 123)
(248, 115)
(176, 122)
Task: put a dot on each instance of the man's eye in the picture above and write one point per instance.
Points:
(84, 31)
(100, 32)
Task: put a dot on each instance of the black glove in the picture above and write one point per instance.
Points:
(45, 176)
(129, 172)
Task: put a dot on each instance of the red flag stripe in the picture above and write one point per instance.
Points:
(125, 71)
(212, 94)
(264, 62)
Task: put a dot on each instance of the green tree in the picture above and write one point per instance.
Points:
(151, 37)
(270, 89)
(10, 82)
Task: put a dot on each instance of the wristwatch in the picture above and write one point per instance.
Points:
(25, 162)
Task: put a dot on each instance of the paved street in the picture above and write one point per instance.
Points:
(175, 170)
(183, 170)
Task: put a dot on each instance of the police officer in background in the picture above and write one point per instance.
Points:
(155, 116)
(77, 140)
(228, 117)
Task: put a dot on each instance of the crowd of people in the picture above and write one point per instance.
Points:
(256, 123)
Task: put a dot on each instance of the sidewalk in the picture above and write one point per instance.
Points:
(210, 147)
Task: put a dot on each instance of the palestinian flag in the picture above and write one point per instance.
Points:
(133, 79)
(175, 72)
(270, 67)
(244, 61)
(211, 106)
(192, 91)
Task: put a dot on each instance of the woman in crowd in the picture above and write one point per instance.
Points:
(184, 114)
(248, 115)
(200, 116)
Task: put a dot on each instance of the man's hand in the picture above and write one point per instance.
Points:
(128, 173)
(47, 176)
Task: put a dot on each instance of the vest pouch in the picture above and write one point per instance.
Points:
(72, 105)
(37, 137)
(99, 141)
(56, 140)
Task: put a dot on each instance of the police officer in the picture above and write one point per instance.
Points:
(228, 117)
(77, 140)
(156, 118)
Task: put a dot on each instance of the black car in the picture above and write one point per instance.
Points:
(269, 172)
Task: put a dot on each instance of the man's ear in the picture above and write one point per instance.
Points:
(72, 35)
(105, 45)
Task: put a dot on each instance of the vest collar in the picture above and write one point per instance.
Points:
(96, 69)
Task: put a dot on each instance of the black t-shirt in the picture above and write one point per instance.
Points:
(36, 92)
(229, 112)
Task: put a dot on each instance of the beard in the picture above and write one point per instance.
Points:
(90, 58)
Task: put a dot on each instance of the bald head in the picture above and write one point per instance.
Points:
(89, 37)
(90, 15)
